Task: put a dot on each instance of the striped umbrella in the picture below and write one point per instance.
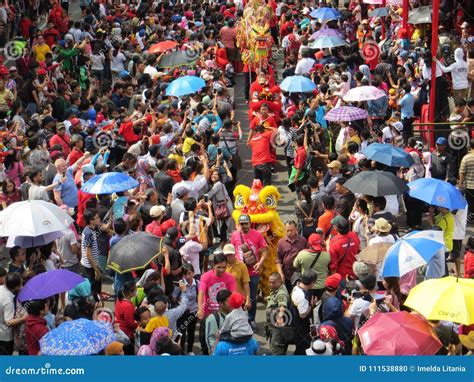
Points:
(346, 114)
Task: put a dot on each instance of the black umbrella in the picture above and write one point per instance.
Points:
(134, 251)
(179, 58)
(376, 183)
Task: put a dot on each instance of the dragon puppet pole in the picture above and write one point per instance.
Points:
(434, 50)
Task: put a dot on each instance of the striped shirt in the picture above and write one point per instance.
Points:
(467, 168)
(89, 240)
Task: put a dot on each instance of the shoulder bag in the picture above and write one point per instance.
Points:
(221, 210)
(248, 257)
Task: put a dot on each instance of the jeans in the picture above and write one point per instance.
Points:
(469, 194)
(187, 327)
(253, 296)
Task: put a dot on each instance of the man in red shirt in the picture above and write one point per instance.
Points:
(61, 138)
(261, 156)
(298, 175)
(51, 35)
(76, 152)
(343, 248)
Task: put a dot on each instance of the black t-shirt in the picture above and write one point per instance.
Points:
(14, 269)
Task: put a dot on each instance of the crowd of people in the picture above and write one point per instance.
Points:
(82, 98)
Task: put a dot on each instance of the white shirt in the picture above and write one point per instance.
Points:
(117, 62)
(151, 71)
(460, 221)
(304, 66)
(299, 299)
(7, 312)
(194, 186)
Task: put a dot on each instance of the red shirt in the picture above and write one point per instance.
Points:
(35, 329)
(51, 36)
(284, 28)
(260, 146)
(124, 316)
(154, 228)
(469, 265)
(126, 131)
(81, 207)
(74, 156)
(64, 141)
(342, 256)
(300, 158)
(270, 121)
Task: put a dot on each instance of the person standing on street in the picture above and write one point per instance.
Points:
(90, 251)
(261, 154)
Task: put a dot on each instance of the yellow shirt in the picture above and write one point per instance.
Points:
(446, 223)
(40, 52)
(156, 322)
(178, 158)
(241, 274)
(188, 142)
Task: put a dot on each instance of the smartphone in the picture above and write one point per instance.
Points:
(219, 151)
(356, 294)
(313, 331)
(176, 283)
(178, 337)
(206, 198)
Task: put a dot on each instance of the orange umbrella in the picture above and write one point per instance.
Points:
(162, 47)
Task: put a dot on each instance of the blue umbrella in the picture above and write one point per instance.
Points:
(184, 86)
(109, 182)
(328, 42)
(325, 13)
(411, 251)
(437, 193)
(388, 154)
(78, 337)
(297, 84)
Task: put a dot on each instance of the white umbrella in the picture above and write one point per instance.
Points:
(373, 2)
(33, 241)
(364, 93)
(33, 218)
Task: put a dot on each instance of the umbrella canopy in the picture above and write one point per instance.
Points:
(134, 251)
(364, 93)
(327, 42)
(180, 58)
(33, 241)
(33, 218)
(379, 12)
(437, 193)
(420, 15)
(162, 46)
(346, 114)
(326, 32)
(297, 84)
(375, 253)
(184, 86)
(389, 155)
(78, 337)
(373, 2)
(445, 299)
(109, 182)
(48, 284)
(325, 14)
(412, 251)
(398, 333)
(376, 183)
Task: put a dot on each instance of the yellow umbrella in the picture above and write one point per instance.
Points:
(447, 299)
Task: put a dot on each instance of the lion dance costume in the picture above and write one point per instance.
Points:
(260, 204)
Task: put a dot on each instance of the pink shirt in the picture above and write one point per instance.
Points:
(254, 240)
(228, 37)
(210, 284)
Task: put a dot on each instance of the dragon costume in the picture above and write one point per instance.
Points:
(260, 204)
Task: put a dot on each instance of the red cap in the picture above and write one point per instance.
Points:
(333, 281)
(42, 72)
(4, 70)
(236, 300)
(314, 240)
(75, 121)
(149, 118)
(56, 154)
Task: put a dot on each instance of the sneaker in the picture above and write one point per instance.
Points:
(191, 353)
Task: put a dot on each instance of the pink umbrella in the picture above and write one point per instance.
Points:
(399, 333)
(346, 114)
(364, 93)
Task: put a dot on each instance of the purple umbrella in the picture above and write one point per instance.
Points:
(326, 32)
(346, 114)
(48, 284)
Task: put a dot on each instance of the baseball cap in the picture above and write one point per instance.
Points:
(156, 211)
(442, 141)
(13, 69)
(229, 249)
(335, 164)
(314, 240)
(75, 121)
(42, 72)
(333, 281)
(339, 219)
(48, 119)
(244, 219)
(236, 300)
(181, 191)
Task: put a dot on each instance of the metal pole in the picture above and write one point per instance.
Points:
(434, 50)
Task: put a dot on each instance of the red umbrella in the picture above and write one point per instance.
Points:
(162, 47)
(398, 333)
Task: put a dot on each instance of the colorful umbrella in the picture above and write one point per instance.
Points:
(398, 333)
(325, 14)
(180, 58)
(162, 46)
(78, 337)
(346, 114)
(445, 299)
(326, 32)
(376, 183)
(420, 15)
(33, 241)
(375, 253)
(297, 84)
(48, 284)
(364, 93)
(389, 155)
(412, 251)
(437, 193)
(328, 42)
(109, 182)
(33, 218)
(184, 86)
(134, 251)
